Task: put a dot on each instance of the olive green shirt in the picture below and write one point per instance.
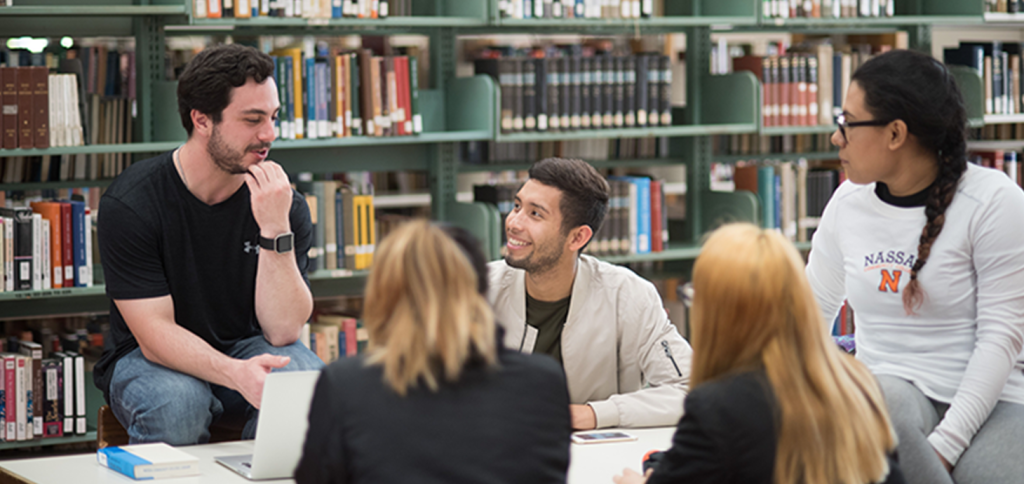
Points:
(549, 319)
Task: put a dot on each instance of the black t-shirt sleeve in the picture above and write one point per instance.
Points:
(130, 251)
(302, 227)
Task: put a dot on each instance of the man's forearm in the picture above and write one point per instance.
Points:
(283, 301)
(181, 350)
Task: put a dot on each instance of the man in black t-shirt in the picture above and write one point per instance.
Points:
(204, 253)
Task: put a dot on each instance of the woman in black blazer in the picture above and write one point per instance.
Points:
(774, 400)
(436, 399)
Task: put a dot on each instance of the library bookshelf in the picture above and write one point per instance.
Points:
(455, 109)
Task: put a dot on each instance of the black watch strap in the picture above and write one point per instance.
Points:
(280, 244)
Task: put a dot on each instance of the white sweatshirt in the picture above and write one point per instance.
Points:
(963, 345)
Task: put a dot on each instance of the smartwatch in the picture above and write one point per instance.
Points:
(280, 244)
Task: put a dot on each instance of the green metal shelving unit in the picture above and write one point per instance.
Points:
(456, 109)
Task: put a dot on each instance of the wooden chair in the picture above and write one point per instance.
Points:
(110, 431)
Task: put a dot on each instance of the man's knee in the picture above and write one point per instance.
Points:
(165, 406)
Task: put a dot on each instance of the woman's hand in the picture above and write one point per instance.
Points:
(629, 476)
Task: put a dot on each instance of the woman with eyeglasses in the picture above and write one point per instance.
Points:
(774, 400)
(928, 251)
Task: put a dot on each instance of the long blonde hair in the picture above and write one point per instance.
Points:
(753, 308)
(423, 311)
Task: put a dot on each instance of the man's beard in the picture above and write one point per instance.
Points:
(538, 262)
(227, 160)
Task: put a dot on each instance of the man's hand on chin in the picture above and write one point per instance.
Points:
(583, 417)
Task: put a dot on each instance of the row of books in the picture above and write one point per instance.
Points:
(41, 397)
(1006, 161)
(998, 132)
(333, 336)
(636, 222)
(311, 9)
(999, 64)
(573, 92)
(792, 196)
(827, 8)
(481, 152)
(346, 94)
(344, 225)
(1004, 6)
(46, 245)
(755, 144)
(524, 9)
(804, 89)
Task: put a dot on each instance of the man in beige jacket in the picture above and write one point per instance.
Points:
(626, 364)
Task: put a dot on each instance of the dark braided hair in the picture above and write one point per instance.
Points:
(914, 87)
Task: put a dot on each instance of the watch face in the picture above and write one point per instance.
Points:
(284, 242)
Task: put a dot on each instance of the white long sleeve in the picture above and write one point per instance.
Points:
(963, 345)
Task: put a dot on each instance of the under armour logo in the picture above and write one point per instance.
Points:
(250, 248)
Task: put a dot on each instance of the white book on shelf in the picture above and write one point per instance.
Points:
(37, 251)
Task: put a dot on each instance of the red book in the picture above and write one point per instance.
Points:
(351, 342)
(9, 103)
(10, 397)
(800, 69)
(41, 106)
(25, 108)
(67, 245)
(775, 92)
(657, 243)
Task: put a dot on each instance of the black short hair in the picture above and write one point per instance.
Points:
(208, 79)
(471, 248)
(584, 191)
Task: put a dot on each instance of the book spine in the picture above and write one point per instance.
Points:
(80, 411)
(25, 115)
(553, 80)
(414, 95)
(68, 378)
(10, 397)
(516, 78)
(586, 80)
(576, 79)
(529, 78)
(541, 89)
(41, 106)
(642, 67)
(22, 403)
(9, 108)
(52, 425)
(629, 91)
(565, 93)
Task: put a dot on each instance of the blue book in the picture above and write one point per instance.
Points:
(289, 71)
(778, 202)
(641, 241)
(336, 10)
(78, 235)
(341, 341)
(149, 461)
(310, 108)
(339, 215)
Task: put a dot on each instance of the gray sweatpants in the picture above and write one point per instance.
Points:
(995, 456)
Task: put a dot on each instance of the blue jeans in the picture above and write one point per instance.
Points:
(158, 404)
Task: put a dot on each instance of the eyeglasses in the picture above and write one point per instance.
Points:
(844, 125)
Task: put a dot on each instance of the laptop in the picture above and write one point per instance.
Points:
(281, 429)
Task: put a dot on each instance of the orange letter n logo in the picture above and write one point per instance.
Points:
(890, 281)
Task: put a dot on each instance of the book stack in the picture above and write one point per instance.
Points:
(827, 8)
(46, 245)
(310, 9)
(333, 336)
(344, 225)
(598, 149)
(999, 65)
(346, 94)
(607, 9)
(792, 196)
(750, 144)
(1004, 6)
(567, 90)
(42, 393)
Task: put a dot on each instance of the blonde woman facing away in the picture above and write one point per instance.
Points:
(774, 400)
(435, 399)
